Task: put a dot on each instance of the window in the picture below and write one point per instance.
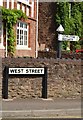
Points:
(12, 6)
(1, 35)
(7, 4)
(27, 11)
(32, 10)
(18, 6)
(22, 35)
(23, 8)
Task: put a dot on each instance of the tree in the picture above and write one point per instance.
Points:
(70, 15)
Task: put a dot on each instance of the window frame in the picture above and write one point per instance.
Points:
(18, 46)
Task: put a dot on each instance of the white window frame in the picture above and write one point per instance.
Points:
(23, 47)
(1, 44)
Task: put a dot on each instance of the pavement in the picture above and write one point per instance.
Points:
(41, 108)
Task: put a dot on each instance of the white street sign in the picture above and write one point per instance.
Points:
(68, 38)
(26, 71)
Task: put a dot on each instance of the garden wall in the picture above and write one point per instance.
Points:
(66, 55)
(64, 78)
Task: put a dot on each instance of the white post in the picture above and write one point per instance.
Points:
(6, 42)
(70, 10)
(37, 33)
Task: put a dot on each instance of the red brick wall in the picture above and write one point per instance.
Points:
(2, 53)
(31, 41)
(32, 35)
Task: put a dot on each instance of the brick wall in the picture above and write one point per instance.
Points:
(32, 35)
(2, 52)
(31, 40)
(64, 78)
(45, 54)
(47, 25)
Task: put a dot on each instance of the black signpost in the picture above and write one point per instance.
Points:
(29, 72)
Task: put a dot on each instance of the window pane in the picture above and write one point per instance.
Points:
(17, 36)
(21, 42)
(21, 25)
(25, 38)
(18, 6)
(22, 38)
(23, 8)
(18, 24)
(22, 34)
(25, 43)
(25, 32)
(17, 31)
(25, 26)
(17, 42)
(27, 12)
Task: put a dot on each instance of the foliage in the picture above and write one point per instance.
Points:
(10, 18)
(71, 18)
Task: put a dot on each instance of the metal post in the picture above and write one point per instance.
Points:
(60, 30)
(59, 49)
(44, 84)
(6, 42)
(5, 83)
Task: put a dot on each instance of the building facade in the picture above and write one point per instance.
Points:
(26, 30)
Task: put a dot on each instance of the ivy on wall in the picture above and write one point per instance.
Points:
(10, 18)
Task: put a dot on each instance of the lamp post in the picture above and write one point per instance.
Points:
(60, 30)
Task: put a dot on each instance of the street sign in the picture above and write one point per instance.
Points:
(29, 71)
(68, 38)
(26, 71)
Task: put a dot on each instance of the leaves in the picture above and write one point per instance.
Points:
(71, 17)
(10, 18)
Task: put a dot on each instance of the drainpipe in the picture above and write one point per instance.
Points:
(37, 33)
(6, 42)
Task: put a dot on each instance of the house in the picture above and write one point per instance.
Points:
(26, 30)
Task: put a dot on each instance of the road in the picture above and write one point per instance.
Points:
(41, 108)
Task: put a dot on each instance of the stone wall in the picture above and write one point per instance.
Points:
(64, 78)
(71, 55)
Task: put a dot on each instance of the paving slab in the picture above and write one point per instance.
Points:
(42, 108)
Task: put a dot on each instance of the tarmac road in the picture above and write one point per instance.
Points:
(41, 108)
